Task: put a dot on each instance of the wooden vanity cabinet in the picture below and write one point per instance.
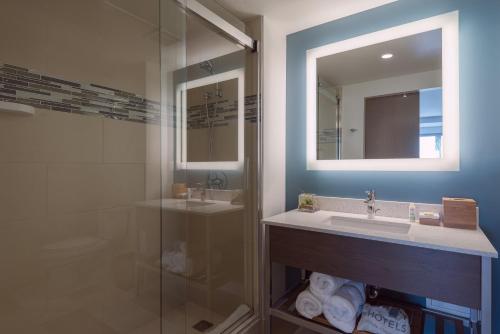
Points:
(446, 276)
(442, 275)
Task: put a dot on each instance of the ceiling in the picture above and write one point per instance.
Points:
(296, 15)
(412, 54)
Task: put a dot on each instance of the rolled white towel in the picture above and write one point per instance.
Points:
(177, 262)
(344, 305)
(345, 325)
(360, 286)
(308, 305)
(324, 286)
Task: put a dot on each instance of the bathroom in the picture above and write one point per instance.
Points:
(198, 166)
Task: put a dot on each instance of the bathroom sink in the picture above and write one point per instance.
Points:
(375, 224)
(196, 204)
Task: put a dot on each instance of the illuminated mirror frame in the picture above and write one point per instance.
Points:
(181, 123)
(450, 160)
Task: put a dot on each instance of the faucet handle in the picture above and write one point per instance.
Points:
(370, 194)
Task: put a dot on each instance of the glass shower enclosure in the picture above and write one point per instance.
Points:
(129, 156)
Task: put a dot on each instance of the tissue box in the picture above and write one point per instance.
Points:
(459, 213)
(429, 218)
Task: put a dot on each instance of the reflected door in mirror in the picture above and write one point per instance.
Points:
(392, 126)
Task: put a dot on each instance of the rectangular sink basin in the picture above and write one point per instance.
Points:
(367, 225)
(196, 204)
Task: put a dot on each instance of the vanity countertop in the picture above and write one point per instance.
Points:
(194, 206)
(473, 242)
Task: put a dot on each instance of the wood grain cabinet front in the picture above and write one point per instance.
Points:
(446, 276)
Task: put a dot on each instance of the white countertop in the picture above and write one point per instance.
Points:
(211, 207)
(473, 242)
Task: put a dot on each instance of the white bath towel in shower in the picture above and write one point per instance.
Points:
(308, 305)
(345, 304)
(324, 286)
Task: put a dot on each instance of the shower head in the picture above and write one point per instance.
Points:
(208, 66)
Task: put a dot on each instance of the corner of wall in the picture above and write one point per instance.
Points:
(274, 117)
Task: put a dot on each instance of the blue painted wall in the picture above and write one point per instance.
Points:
(479, 175)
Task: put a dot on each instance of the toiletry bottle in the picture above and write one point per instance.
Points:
(412, 212)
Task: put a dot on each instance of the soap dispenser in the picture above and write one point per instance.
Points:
(412, 212)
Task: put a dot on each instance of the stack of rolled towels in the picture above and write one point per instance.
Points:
(340, 300)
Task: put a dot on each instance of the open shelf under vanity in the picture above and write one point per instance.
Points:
(395, 269)
(285, 309)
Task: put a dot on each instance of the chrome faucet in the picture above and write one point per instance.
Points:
(370, 204)
(200, 187)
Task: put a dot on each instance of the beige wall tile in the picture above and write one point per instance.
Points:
(153, 142)
(20, 245)
(31, 35)
(124, 141)
(79, 322)
(61, 227)
(123, 317)
(114, 223)
(72, 137)
(153, 180)
(84, 187)
(50, 136)
(19, 324)
(148, 227)
(153, 327)
(23, 191)
(24, 33)
(122, 184)
(153, 161)
(74, 187)
(21, 138)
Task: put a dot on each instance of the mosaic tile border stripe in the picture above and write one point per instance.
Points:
(221, 113)
(21, 85)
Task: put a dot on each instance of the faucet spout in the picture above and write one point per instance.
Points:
(200, 187)
(371, 209)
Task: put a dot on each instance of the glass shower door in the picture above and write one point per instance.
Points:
(209, 204)
(77, 172)
(128, 192)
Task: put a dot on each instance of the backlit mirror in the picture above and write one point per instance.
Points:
(383, 99)
(211, 122)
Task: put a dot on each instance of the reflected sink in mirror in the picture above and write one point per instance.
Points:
(196, 204)
(367, 225)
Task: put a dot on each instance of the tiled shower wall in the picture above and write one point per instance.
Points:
(18, 84)
(69, 179)
(22, 85)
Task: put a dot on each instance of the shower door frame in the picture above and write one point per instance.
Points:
(253, 323)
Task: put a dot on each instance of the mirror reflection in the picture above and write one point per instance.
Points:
(382, 101)
(212, 122)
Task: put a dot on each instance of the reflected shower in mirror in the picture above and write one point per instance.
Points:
(382, 101)
(210, 135)
(210, 126)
